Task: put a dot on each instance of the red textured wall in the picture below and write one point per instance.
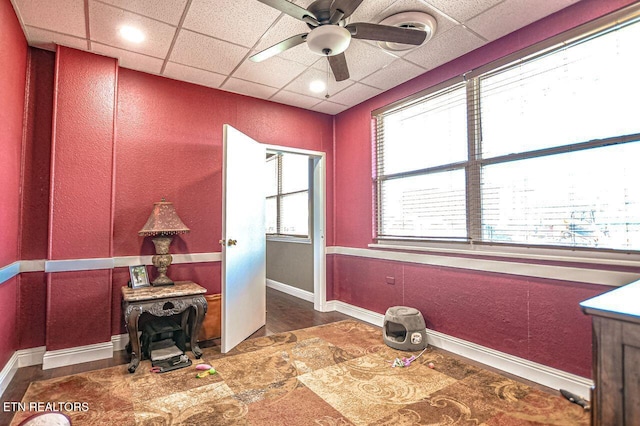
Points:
(169, 144)
(535, 319)
(13, 57)
(33, 310)
(37, 154)
(532, 318)
(35, 196)
(81, 197)
(82, 155)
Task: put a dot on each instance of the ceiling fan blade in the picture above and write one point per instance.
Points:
(279, 48)
(339, 66)
(363, 30)
(346, 7)
(292, 9)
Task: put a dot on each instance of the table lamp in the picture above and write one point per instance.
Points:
(162, 225)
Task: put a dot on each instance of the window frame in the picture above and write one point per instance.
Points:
(474, 163)
(278, 235)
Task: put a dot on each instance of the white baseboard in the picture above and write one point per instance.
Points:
(533, 371)
(538, 373)
(31, 356)
(119, 342)
(77, 355)
(357, 312)
(21, 358)
(291, 290)
(7, 373)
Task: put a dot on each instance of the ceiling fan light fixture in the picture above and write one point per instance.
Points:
(417, 20)
(328, 40)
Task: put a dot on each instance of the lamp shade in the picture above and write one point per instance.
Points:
(163, 221)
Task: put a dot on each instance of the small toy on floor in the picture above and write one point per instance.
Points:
(203, 367)
(205, 373)
(405, 362)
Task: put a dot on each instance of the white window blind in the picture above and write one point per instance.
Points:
(555, 170)
(287, 201)
(542, 151)
(420, 181)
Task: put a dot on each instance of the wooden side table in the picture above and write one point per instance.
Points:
(161, 302)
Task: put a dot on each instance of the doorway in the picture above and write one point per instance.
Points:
(243, 283)
(316, 231)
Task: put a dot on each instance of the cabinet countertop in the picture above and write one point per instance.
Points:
(622, 303)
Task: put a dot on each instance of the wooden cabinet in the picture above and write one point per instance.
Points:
(211, 324)
(616, 356)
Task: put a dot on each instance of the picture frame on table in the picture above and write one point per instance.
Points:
(139, 276)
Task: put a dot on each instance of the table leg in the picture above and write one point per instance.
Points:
(200, 307)
(132, 315)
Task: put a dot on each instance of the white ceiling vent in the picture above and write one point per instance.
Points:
(418, 20)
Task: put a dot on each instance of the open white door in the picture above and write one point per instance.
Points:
(243, 238)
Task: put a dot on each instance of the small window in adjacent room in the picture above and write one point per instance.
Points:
(287, 202)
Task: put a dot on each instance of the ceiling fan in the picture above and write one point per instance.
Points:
(330, 35)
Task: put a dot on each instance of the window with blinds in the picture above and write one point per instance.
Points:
(421, 155)
(287, 202)
(541, 151)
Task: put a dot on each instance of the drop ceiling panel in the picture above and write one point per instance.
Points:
(240, 22)
(443, 21)
(370, 11)
(131, 60)
(302, 82)
(393, 74)
(249, 88)
(62, 16)
(48, 40)
(105, 22)
(355, 94)
(193, 75)
(513, 14)
(327, 107)
(169, 11)
(208, 42)
(275, 71)
(463, 10)
(206, 53)
(444, 48)
(294, 99)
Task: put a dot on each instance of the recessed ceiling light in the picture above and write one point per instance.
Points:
(131, 34)
(317, 86)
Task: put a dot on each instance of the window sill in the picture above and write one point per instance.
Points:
(591, 257)
(284, 239)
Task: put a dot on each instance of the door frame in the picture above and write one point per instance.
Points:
(319, 197)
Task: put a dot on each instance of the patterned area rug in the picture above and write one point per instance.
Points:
(332, 375)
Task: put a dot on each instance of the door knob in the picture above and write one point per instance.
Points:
(232, 242)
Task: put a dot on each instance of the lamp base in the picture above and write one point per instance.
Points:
(162, 281)
(161, 260)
